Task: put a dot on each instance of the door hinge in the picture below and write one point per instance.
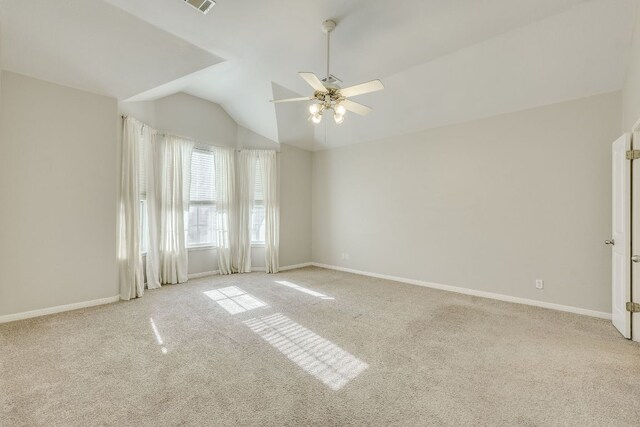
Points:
(633, 154)
(633, 307)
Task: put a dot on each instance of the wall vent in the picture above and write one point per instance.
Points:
(203, 6)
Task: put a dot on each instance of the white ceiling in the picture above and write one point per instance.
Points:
(94, 46)
(441, 61)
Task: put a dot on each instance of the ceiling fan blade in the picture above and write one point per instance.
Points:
(361, 89)
(313, 81)
(363, 110)
(304, 98)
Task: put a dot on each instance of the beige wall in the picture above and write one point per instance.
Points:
(631, 92)
(195, 118)
(490, 205)
(295, 205)
(251, 140)
(57, 195)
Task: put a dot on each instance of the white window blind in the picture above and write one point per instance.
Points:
(202, 176)
(259, 192)
(258, 214)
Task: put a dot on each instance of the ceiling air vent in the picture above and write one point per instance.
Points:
(203, 6)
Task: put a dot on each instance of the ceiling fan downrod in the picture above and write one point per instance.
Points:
(327, 27)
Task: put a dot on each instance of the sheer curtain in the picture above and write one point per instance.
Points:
(225, 187)
(129, 256)
(268, 162)
(169, 177)
(247, 160)
(155, 179)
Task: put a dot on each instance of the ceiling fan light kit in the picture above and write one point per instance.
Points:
(328, 95)
(203, 6)
(329, 100)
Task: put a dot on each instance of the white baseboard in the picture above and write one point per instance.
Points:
(57, 309)
(296, 266)
(253, 270)
(84, 304)
(285, 268)
(203, 274)
(467, 291)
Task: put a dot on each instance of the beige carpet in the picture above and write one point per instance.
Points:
(320, 348)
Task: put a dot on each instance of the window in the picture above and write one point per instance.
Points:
(142, 179)
(258, 214)
(201, 222)
(144, 228)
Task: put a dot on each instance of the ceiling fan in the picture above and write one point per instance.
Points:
(328, 95)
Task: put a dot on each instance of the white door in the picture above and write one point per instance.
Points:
(620, 236)
(635, 238)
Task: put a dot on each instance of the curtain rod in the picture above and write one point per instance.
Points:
(124, 116)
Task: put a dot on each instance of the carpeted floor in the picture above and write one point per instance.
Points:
(315, 347)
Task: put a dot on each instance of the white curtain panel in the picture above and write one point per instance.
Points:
(129, 256)
(152, 196)
(268, 162)
(169, 178)
(246, 190)
(226, 207)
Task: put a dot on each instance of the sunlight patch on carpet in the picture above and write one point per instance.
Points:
(159, 339)
(234, 299)
(303, 289)
(318, 356)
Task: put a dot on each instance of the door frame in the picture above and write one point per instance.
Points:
(635, 231)
(621, 233)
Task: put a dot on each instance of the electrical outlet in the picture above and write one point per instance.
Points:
(539, 284)
(346, 256)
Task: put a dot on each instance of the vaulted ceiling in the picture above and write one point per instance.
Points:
(441, 61)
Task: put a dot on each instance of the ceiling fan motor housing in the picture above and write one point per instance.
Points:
(328, 26)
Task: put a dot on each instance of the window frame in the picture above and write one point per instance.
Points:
(258, 243)
(256, 202)
(144, 226)
(144, 240)
(212, 244)
(208, 245)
